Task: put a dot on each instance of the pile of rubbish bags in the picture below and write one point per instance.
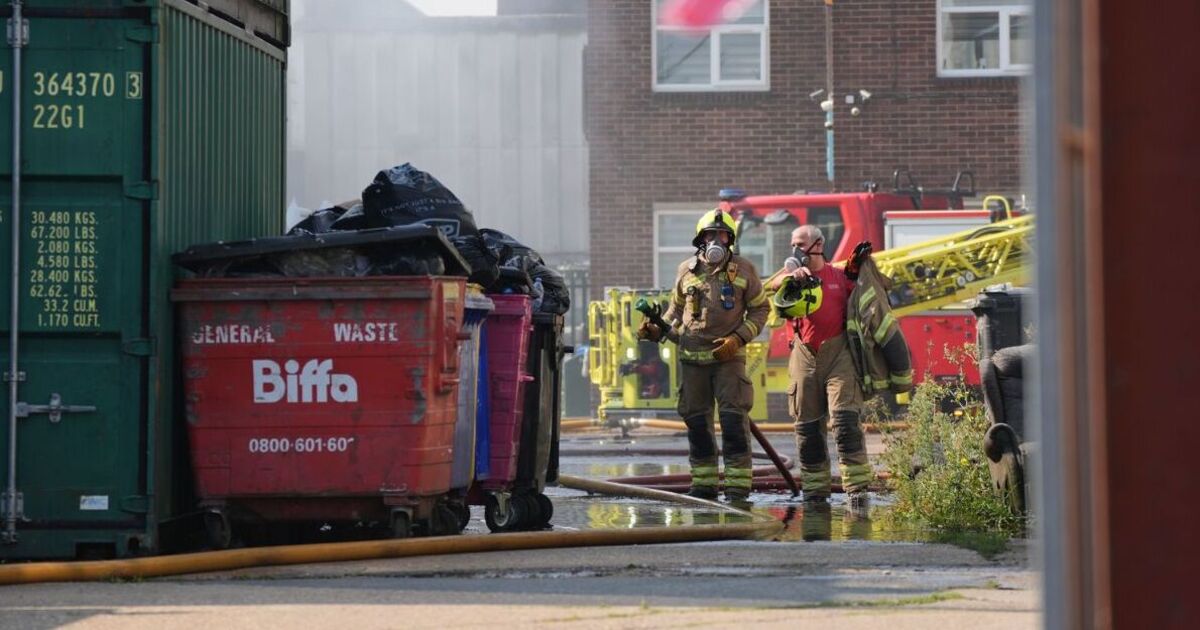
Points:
(407, 223)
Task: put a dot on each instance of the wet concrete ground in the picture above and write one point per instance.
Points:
(855, 572)
(577, 510)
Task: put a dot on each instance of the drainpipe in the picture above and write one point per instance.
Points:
(17, 36)
(829, 93)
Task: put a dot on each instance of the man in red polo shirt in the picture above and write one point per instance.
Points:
(824, 382)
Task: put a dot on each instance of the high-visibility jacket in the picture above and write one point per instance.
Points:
(876, 343)
(711, 302)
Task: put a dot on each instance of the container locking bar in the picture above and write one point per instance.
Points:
(18, 32)
(18, 503)
(18, 37)
(55, 409)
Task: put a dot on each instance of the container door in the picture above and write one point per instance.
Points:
(82, 443)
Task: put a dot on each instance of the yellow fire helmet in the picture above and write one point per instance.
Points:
(795, 301)
(715, 220)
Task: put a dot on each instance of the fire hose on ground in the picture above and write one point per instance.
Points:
(757, 526)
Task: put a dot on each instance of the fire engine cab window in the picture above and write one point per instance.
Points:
(730, 55)
(984, 37)
(832, 226)
(754, 244)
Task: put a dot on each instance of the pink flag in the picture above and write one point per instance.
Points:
(702, 13)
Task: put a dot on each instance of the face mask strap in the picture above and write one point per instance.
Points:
(808, 253)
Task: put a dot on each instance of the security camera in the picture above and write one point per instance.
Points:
(829, 124)
(812, 96)
(854, 111)
(827, 105)
(864, 95)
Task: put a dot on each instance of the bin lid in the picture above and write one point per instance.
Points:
(479, 303)
(548, 319)
(999, 297)
(477, 308)
(198, 257)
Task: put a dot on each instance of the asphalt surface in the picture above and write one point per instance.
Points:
(653, 585)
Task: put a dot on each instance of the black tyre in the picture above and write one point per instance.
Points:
(401, 525)
(444, 521)
(545, 509)
(531, 516)
(218, 529)
(503, 520)
(463, 513)
(1006, 465)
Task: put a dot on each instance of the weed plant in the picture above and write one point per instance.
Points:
(939, 473)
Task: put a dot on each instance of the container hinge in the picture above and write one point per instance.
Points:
(23, 32)
(135, 504)
(142, 190)
(55, 409)
(20, 505)
(142, 34)
(139, 347)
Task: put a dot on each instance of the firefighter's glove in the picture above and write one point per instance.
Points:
(726, 347)
(649, 331)
(862, 252)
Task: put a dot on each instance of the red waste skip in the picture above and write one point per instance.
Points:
(322, 399)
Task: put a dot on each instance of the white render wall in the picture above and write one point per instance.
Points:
(493, 107)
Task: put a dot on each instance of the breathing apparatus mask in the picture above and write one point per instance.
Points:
(801, 257)
(712, 250)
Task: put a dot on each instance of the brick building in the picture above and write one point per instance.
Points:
(671, 117)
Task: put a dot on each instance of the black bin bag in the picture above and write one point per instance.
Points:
(556, 299)
(404, 195)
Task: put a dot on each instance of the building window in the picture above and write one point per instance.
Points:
(978, 38)
(729, 56)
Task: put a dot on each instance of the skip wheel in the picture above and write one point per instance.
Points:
(499, 520)
(218, 529)
(545, 509)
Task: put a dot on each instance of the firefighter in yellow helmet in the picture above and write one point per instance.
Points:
(814, 295)
(717, 307)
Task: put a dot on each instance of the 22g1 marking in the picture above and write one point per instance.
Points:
(59, 116)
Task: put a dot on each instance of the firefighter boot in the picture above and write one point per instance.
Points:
(857, 472)
(702, 455)
(735, 438)
(815, 477)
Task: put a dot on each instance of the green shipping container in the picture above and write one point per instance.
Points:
(146, 126)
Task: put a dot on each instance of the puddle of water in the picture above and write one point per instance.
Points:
(830, 522)
(608, 468)
(834, 521)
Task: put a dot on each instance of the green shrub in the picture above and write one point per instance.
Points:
(939, 474)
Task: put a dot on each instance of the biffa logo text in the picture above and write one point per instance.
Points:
(315, 382)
